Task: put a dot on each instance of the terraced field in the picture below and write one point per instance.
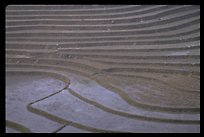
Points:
(102, 68)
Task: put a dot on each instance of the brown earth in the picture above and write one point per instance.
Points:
(102, 68)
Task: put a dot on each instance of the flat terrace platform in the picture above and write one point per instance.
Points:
(102, 68)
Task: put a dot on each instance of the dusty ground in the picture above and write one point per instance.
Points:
(96, 68)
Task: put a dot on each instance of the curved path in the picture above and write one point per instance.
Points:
(76, 68)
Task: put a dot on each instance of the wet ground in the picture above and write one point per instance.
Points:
(96, 68)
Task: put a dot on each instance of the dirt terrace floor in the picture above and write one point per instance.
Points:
(102, 68)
